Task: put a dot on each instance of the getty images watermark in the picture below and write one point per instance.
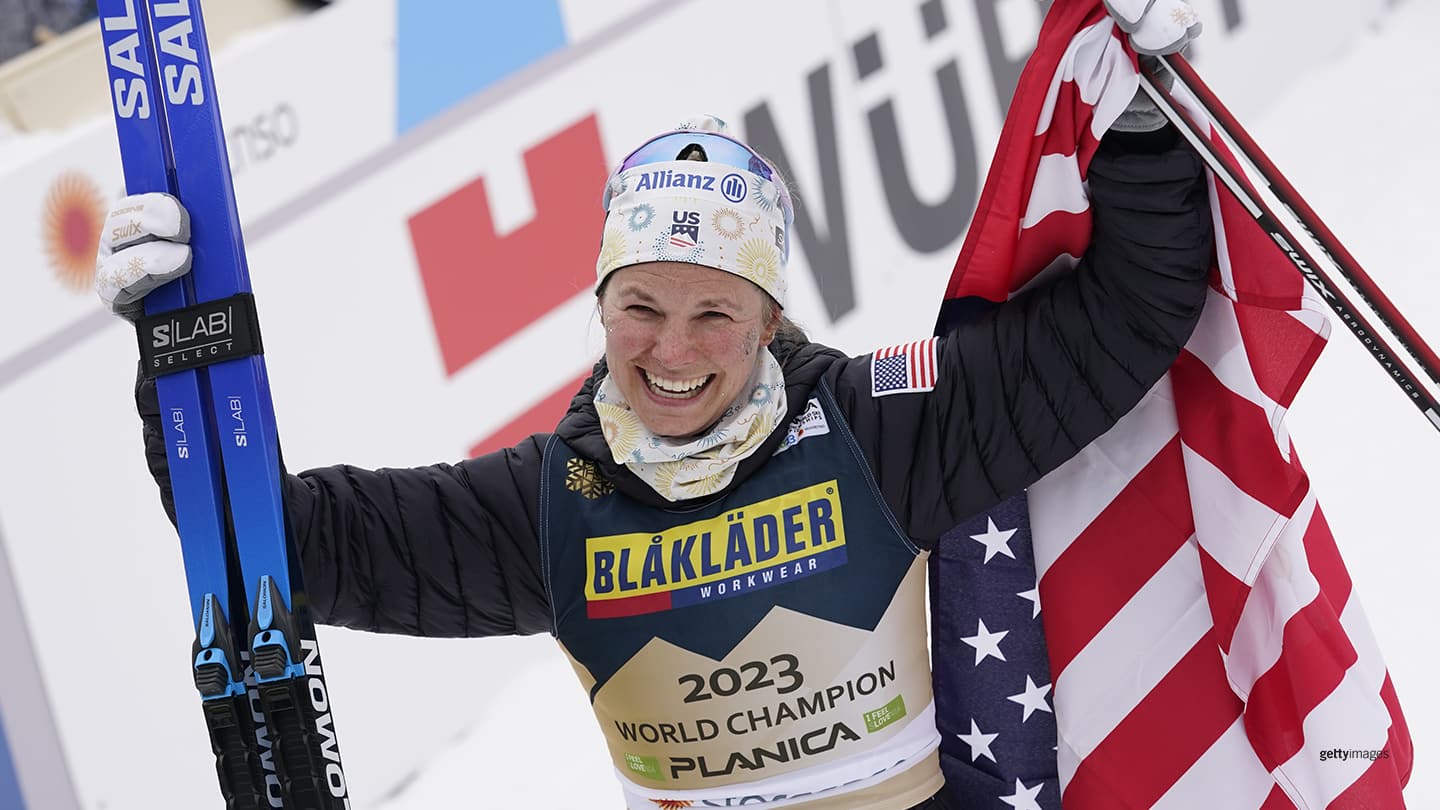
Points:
(1345, 754)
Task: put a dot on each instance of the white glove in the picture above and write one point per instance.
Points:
(1156, 27)
(142, 246)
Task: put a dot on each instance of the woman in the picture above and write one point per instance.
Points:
(727, 531)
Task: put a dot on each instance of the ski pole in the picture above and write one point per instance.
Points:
(1319, 232)
(1293, 249)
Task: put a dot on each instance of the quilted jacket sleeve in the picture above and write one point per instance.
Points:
(445, 550)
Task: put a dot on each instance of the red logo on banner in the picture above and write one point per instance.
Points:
(482, 287)
(541, 418)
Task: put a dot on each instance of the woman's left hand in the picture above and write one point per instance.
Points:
(1156, 27)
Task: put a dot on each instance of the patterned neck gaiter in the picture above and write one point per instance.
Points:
(680, 469)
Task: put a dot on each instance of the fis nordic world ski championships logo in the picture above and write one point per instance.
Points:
(74, 214)
(754, 546)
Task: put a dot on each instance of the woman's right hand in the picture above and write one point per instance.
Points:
(144, 244)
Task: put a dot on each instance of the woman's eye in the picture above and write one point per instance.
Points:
(713, 314)
(640, 309)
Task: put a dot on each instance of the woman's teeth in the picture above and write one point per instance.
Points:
(676, 389)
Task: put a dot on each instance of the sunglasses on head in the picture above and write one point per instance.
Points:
(714, 148)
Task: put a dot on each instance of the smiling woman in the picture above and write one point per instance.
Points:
(727, 533)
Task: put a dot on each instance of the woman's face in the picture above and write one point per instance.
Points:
(681, 341)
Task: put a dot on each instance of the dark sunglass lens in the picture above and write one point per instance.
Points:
(693, 151)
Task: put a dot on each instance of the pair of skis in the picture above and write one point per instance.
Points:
(256, 662)
(1319, 235)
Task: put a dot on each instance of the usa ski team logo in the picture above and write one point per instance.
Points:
(904, 369)
(755, 546)
(685, 229)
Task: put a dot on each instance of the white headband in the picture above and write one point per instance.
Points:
(699, 212)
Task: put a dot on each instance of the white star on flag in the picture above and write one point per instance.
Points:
(986, 643)
(1023, 798)
(1033, 698)
(996, 541)
(1034, 596)
(979, 742)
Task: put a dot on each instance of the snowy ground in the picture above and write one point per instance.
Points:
(1357, 139)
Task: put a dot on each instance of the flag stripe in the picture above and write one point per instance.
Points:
(1267, 279)
(1259, 629)
(1113, 674)
(1154, 507)
(1226, 429)
(1401, 750)
(1220, 347)
(1226, 595)
(1313, 664)
(1227, 775)
(1241, 516)
(1277, 800)
(1373, 788)
(1059, 190)
(1158, 742)
(1067, 500)
(1291, 347)
(1352, 718)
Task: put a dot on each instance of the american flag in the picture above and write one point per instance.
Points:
(903, 369)
(1205, 647)
(991, 676)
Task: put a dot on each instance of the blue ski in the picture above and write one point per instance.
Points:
(201, 340)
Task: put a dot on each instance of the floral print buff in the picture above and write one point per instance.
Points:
(692, 467)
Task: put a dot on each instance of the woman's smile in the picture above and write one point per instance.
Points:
(676, 389)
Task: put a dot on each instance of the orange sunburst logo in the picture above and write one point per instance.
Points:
(74, 214)
(673, 804)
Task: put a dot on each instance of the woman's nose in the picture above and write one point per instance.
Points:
(673, 345)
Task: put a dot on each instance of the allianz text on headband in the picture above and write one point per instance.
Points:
(717, 148)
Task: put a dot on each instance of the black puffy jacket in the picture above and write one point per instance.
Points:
(452, 550)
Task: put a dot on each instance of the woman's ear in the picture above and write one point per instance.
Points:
(772, 325)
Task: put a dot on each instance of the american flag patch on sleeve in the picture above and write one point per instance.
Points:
(904, 369)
